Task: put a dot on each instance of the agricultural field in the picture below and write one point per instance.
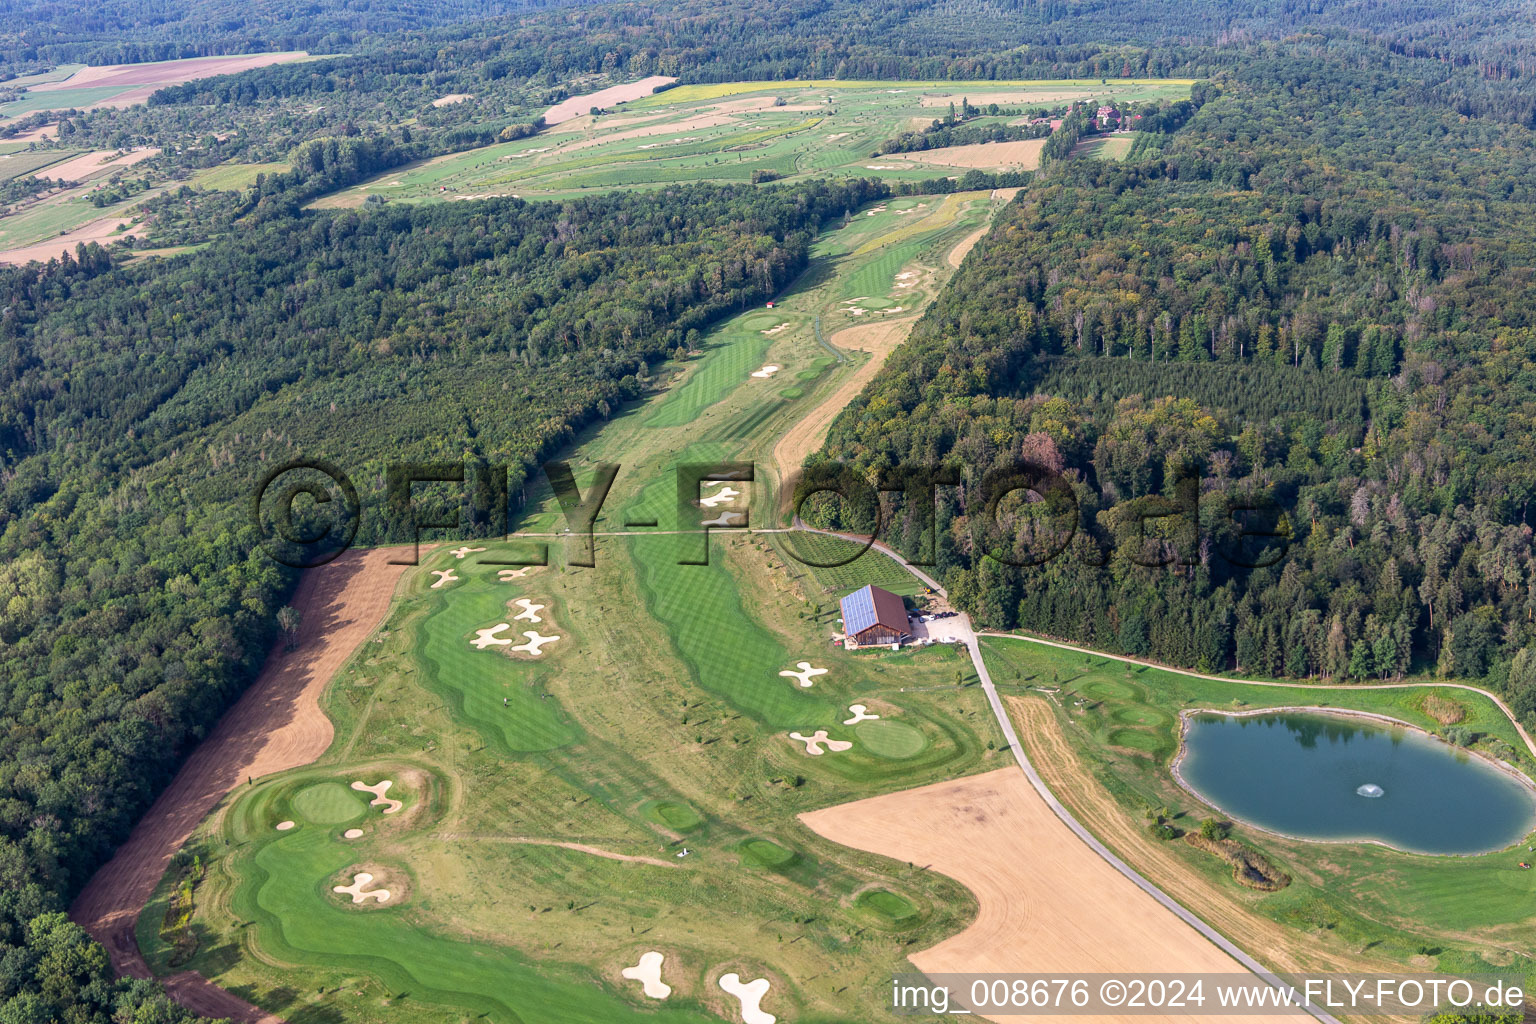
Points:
(77, 86)
(1103, 732)
(590, 766)
(729, 132)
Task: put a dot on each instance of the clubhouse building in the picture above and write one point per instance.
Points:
(872, 617)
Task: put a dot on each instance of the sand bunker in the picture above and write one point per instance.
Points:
(284, 826)
(508, 575)
(726, 519)
(880, 167)
(751, 995)
(352, 833)
(390, 804)
(766, 371)
(462, 552)
(775, 330)
(871, 213)
(720, 497)
(814, 741)
(358, 889)
(648, 973)
(444, 577)
(860, 714)
(487, 637)
(535, 644)
(530, 611)
(804, 674)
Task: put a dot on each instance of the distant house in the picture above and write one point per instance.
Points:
(872, 616)
(1108, 116)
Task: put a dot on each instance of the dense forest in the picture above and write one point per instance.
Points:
(1316, 292)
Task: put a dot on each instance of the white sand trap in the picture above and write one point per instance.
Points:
(535, 644)
(391, 805)
(725, 519)
(860, 714)
(906, 274)
(804, 674)
(284, 826)
(487, 637)
(857, 310)
(720, 497)
(776, 329)
(444, 577)
(530, 611)
(878, 167)
(360, 883)
(462, 552)
(751, 995)
(508, 575)
(648, 973)
(766, 371)
(352, 833)
(814, 741)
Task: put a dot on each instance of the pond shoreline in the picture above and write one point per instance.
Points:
(1175, 765)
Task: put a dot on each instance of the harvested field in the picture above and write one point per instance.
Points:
(161, 73)
(277, 724)
(99, 162)
(1047, 901)
(47, 131)
(994, 156)
(101, 231)
(578, 105)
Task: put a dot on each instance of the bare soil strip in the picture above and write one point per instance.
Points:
(102, 231)
(998, 156)
(276, 725)
(165, 72)
(880, 340)
(1046, 901)
(578, 105)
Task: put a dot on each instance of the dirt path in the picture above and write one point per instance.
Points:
(1046, 901)
(1530, 744)
(275, 725)
(880, 340)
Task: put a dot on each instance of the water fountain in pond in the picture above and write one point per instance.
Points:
(1370, 789)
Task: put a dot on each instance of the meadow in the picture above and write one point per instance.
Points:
(730, 132)
(1118, 730)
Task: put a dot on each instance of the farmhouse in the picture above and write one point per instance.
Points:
(874, 616)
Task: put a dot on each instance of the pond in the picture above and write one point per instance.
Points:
(1333, 777)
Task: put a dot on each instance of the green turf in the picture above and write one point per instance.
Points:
(327, 803)
(890, 738)
(888, 904)
(768, 854)
(500, 695)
